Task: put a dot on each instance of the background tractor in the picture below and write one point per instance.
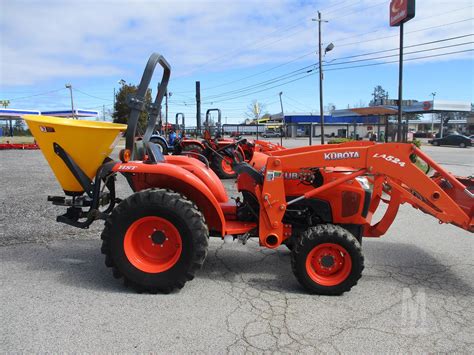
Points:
(171, 135)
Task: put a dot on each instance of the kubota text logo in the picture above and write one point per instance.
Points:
(342, 155)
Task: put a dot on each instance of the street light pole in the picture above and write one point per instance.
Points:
(69, 86)
(281, 105)
(321, 77)
(432, 113)
(282, 118)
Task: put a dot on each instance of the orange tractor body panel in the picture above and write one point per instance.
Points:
(192, 179)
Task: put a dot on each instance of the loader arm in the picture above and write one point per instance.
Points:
(390, 168)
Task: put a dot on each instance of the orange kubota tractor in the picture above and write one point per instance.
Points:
(319, 201)
(219, 151)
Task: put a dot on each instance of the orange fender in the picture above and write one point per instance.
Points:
(170, 176)
(207, 175)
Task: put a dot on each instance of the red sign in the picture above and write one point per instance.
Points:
(427, 105)
(401, 11)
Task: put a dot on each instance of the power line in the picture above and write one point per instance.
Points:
(97, 107)
(270, 81)
(340, 45)
(414, 45)
(395, 35)
(253, 43)
(278, 85)
(355, 11)
(406, 60)
(259, 73)
(34, 95)
(298, 102)
(342, 8)
(93, 96)
(415, 21)
(304, 70)
(344, 68)
(395, 55)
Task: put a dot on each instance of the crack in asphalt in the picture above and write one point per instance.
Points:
(262, 319)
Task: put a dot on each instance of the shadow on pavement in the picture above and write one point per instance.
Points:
(80, 264)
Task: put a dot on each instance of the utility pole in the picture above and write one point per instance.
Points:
(321, 106)
(432, 113)
(282, 119)
(257, 113)
(198, 107)
(103, 112)
(400, 87)
(69, 86)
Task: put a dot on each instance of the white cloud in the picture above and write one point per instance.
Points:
(42, 40)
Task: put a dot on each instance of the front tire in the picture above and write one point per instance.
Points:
(327, 260)
(156, 240)
(462, 145)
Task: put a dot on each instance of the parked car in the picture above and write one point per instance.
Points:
(420, 134)
(270, 134)
(471, 137)
(453, 139)
(447, 133)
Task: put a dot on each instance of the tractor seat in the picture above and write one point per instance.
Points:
(246, 168)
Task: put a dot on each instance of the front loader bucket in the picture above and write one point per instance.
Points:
(88, 143)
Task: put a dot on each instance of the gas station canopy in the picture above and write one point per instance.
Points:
(15, 114)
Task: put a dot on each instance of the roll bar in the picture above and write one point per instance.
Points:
(219, 116)
(137, 102)
(182, 119)
(219, 120)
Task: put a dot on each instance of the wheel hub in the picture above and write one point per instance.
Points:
(328, 264)
(152, 244)
(158, 237)
(327, 261)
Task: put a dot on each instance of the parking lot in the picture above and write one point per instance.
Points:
(416, 293)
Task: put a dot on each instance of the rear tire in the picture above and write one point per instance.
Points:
(155, 240)
(327, 260)
(435, 143)
(195, 148)
(162, 145)
(462, 145)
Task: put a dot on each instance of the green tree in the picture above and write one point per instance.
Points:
(121, 109)
(255, 110)
(379, 95)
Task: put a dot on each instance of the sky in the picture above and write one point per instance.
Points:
(240, 51)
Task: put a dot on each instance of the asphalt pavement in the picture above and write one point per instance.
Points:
(416, 293)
